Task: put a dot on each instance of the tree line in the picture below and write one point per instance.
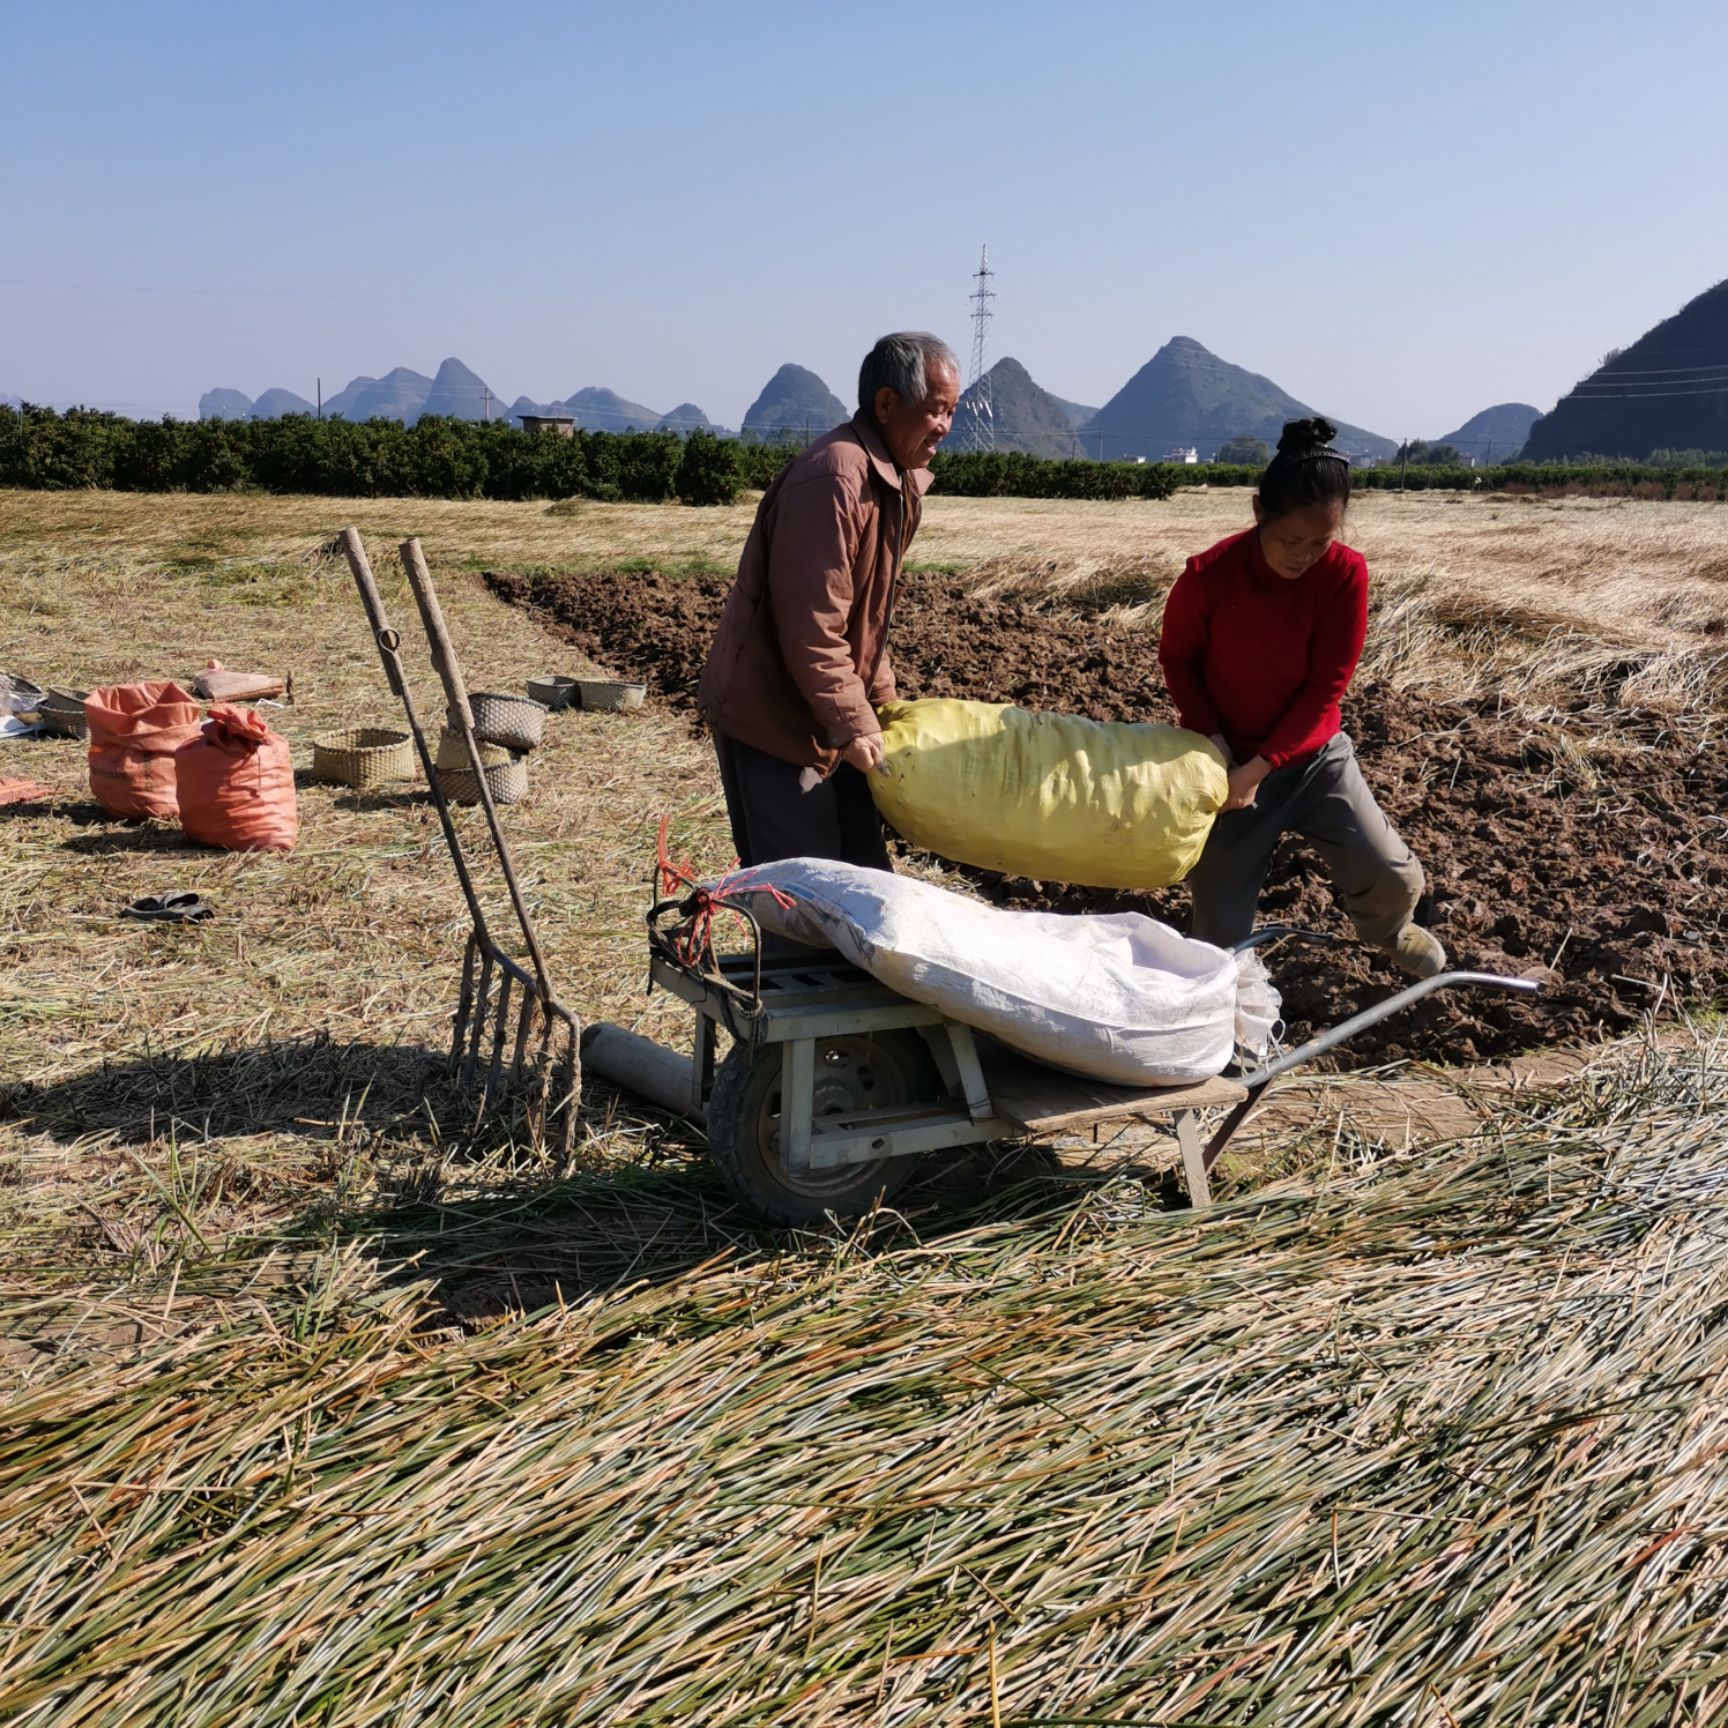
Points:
(42, 449)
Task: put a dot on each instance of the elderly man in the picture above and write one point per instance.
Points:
(799, 663)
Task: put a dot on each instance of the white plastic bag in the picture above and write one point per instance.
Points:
(1120, 998)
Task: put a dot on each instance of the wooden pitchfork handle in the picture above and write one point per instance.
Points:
(389, 643)
(462, 717)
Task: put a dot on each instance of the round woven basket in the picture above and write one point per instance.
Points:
(363, 757)
(61, 712)
(516, 722)
(453, 753)
(610, 695)
(508, 781)
(554, 691)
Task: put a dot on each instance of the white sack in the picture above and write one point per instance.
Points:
(1120, 998)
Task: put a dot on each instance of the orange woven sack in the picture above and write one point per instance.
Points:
(134, 731)
(236, 781)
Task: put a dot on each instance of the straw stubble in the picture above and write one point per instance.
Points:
(1445, 1441)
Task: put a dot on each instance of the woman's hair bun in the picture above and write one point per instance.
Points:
(1304, 437)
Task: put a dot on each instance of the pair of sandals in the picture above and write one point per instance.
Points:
(181, 906)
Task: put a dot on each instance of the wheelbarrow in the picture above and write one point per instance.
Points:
(834, 1083)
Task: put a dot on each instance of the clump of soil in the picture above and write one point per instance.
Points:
(1593, 846)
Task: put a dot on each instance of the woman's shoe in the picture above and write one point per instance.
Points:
(1416, 951)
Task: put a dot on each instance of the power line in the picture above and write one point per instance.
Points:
(1613, 370)
(1585, 393)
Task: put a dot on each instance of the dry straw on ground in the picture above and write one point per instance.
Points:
(318, 1412)
(1439, 1444)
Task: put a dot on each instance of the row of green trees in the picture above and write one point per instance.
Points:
(1009, 474)
(435, 458)
(440, 458)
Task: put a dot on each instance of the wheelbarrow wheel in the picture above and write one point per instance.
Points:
(882, 1071)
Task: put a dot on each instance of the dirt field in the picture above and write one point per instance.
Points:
(1566, 821)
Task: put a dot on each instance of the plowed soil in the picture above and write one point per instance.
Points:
(1591, 846)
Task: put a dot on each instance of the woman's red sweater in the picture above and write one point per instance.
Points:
(1260, 658)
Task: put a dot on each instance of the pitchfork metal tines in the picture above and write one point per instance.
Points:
(503, 1002)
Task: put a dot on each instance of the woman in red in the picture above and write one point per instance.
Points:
(1261, 636)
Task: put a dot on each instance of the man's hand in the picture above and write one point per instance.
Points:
(867, 754)
(1245, 782)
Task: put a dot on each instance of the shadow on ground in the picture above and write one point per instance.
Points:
(311, 1086)
(500, 1256)
(145, 837)
(652, 1212)
(401, 799)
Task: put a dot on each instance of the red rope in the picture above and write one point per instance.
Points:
(693, 940)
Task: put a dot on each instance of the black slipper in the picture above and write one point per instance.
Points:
(179, 907)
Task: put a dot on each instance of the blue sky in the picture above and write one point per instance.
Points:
(1401, 213)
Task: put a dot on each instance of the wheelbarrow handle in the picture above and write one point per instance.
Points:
(1346, 1030)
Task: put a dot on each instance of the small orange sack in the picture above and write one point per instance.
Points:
(236, 780)
(134, 731)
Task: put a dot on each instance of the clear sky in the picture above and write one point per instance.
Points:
(1400, 213)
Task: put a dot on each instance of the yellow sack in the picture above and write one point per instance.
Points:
(1049, 796)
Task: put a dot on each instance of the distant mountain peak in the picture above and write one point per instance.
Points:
(1185, 397)
(224, 404)
(794, 403)
(274, 403)
(685, 419)
(1022, 417)
(459, 393)
(597, 409)
(1495, 434)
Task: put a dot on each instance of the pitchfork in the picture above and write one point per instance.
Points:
(489, 975)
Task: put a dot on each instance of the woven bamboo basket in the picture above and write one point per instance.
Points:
(453, 753)
(363, 757)
(553, 691)
(516, 722)
(611, 695)
(62, 713)
(507, 780)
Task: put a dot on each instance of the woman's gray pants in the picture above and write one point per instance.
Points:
(1327, 802)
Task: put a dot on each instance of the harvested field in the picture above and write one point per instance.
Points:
(317, 1407)
(1439, 1444)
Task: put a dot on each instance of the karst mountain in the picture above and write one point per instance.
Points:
(1668, 391)
(1185, 397)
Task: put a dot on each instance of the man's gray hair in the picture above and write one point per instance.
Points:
(903, 363)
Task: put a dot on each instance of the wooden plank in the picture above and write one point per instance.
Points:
(218, 684)
(1043, 1101)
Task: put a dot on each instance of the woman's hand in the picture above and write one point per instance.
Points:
(1245, 782)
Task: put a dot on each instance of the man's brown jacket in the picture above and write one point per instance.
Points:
(800, 658)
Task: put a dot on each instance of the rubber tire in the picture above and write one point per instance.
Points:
(744, 1145)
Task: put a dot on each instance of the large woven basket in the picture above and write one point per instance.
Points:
(453, 753)
(553, 691)
(61, 713)
(611, 695)
(516, 722)
(363, 757)
(508, 781)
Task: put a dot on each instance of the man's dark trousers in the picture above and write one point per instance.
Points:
(780, 810)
